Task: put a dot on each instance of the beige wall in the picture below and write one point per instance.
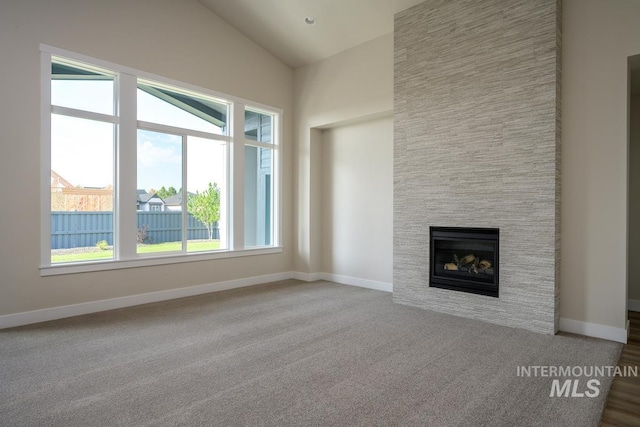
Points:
(351, 86)
(181, 40)
(598, 36)
(634, 196)
(357, 200)
(150, 35)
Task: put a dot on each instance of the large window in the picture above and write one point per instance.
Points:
(140, 169)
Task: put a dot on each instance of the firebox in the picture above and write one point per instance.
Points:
(464, 259)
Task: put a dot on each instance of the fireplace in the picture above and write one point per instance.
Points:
(464, 259)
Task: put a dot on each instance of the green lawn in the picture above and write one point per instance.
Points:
(195, 246)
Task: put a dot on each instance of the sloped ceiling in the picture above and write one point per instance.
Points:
(279, 25)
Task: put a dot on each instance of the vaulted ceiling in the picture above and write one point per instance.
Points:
(279, 25)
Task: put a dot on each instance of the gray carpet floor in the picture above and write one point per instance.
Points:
(288, 353)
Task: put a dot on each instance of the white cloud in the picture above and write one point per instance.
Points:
(152, 154)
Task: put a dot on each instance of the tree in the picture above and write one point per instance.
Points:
(163, 193)
(205, 206)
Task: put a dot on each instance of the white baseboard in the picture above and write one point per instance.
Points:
(344, 280)
(307, 277)
(37, 316)
(54, 313)
(633, 304)
(355, 281)
(594, 330)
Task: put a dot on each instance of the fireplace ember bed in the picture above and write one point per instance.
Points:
(464, 259)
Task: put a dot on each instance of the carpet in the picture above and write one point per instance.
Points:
(289, 353)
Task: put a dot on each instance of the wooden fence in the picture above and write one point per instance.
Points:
(81, 229)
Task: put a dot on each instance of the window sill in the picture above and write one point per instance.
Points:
(85, 267)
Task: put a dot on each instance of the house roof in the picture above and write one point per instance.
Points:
(175, 200)
(58, 181)
(144, 197)
(208, 110)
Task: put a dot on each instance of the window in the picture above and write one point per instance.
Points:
(82, 123)
(258, 169)
(110, 133)
(181, 145)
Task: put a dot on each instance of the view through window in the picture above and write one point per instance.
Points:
(181, 174)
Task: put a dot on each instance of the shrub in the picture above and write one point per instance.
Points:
(102, 245)
(143, 234)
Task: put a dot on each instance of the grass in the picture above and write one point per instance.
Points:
(192, 246)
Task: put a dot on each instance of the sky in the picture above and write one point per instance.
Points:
(82, 150)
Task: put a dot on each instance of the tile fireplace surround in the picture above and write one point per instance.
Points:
(476, 131)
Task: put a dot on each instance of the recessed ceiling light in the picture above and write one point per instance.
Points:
(310, 20)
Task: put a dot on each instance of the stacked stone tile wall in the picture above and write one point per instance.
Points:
(476, 130)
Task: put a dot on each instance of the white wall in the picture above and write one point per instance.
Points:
(181, 40)
(598, 36)
(351, 86)
(357, 200)
(634, 197)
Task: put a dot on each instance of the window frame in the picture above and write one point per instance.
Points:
(274, 164)
(126, 126)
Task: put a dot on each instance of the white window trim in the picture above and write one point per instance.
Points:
(125, 255)
(171, 258)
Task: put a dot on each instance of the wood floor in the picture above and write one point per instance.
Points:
(623, 404)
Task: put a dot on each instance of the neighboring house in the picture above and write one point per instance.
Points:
(149, 202)
(174, 203)
(58, 181)
(65, 197)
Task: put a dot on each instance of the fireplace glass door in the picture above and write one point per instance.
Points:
(464, 259)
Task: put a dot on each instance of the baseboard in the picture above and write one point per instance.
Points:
(356, 281)
(307, 277)
(37, 316)
(594, 330)
(55, 313)
(633, 304)
(344, 280)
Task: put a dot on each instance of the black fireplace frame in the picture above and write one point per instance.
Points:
(462, 284)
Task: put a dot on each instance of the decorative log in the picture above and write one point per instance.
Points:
(469, 264)
(468, 259)
(484, 264)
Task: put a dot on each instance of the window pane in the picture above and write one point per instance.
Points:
(159, 174)
(159, 105)
(258, 126)
(206, 184)
(82, 167)
(82, 89)
(258, 203)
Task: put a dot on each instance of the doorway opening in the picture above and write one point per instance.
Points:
(633, 201)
